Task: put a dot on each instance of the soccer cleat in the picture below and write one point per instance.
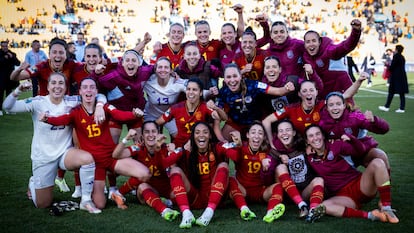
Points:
(304, 211)
(133, 192)
(90, 207)
(383, 108)
(391, 217)
(187, 222)
(400, 111)
(276, 213)
(119, 200)
(247, 214)
(170, 215)
(77, 193)
(316, 213)
(377, 215)
(205, 218)
(61, 183)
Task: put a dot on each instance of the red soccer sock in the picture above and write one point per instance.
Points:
(61, 173)
(316, 197)
(277, 196)
(131, 184)
(177, 185)
(153, 200)
(354, 213)
(290, 187)
(236, 194)
(385, 195)
(76, 177)
(218, 187)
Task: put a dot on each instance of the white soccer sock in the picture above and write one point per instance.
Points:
(32, 190)
(87, 176)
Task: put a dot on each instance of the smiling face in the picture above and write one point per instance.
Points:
(163, 69)
(57, 56)
(131, 63)
(56, 86)
(232, 78)
(256, 136)
(308, 94)
(279, 34)
(312, 43)
(88, 90)
(286, 133)
(315, 138)
(193, 93)
(248, 44)
(335, 106)
(228, 35)
(272, 69)
(192, 56)
(92, 58)
(202, 137)
(202, 32)
(149, 134)
(176, 34)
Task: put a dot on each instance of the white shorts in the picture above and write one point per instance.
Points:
(44, 174)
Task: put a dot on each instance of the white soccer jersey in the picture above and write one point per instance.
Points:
(49, 142)
(159, 99)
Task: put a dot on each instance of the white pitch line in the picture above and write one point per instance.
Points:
(384, 92)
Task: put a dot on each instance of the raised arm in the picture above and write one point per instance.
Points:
(121, 150)
(21, 73)
(267, 124)
(353, 89)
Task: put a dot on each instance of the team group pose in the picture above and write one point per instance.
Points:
(283, 115)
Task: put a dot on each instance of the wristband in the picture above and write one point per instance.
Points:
(125, 141)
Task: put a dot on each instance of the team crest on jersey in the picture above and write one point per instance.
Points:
(330, 156)
(319, 63)
(316, 116)
(198, 115)
(210, 48)
(348, 130)
(211, 156)
(289, 54)
(257, 64)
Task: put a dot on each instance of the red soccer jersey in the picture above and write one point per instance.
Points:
(299, 117)
(184, 120)
(94, 138)
(174, 56)
(248, 166)
(211, 50)
(258, 64)
(43, 71)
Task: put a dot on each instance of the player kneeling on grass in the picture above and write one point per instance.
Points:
(251, 159)
(52, 145)
(97, 140)
(150, 153)
(347, 187)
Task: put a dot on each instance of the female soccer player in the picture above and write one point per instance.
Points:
(188, 112)
(150, 153)
(346, 187)
(339, 118)
(97, 139)
(250, 159)
(200, 180)
(327, 58)
(238, 97)
(293, 171)
(52, 145)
